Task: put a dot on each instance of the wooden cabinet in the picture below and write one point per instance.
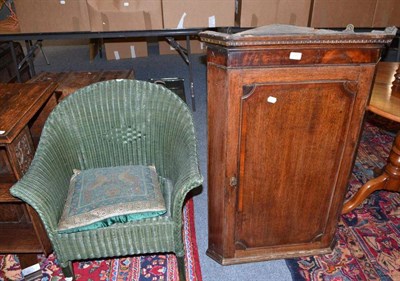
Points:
(285, 109)
(21, 231)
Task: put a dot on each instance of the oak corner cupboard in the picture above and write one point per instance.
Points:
(285, 111)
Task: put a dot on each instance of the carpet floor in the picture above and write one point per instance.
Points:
(137, 268)
(368, 238)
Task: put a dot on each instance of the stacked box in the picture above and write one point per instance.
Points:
(340, 13)
(125, 49)
(88, 15)
(253, 13)
(198, 13)
(52, 15)
(120, 15)
(387, 13)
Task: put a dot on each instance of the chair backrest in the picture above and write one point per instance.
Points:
(118, 122)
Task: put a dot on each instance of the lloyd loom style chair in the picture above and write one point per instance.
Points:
(114, 134)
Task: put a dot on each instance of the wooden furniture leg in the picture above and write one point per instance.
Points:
(396, 83)
(389, 180)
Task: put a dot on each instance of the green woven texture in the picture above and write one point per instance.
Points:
(108, 124)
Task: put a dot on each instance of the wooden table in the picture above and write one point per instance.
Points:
(21, 231)
(385, 101)
(69, 82)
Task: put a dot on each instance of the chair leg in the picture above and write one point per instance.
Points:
(181, 268)
(68, 270)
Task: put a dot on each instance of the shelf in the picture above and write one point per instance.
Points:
(18, 238)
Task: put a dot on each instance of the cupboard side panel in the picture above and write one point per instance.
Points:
(216, 169)
(365, 78)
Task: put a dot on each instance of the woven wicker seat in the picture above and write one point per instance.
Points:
(108, 124)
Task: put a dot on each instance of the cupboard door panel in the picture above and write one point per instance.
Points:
(292, 140)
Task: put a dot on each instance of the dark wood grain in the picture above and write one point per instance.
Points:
(69, 82)
(305, 117)
(284, 120)
(21, 231)
(19, 103)
(280, 56)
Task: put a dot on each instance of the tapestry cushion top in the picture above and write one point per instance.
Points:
(101, 197)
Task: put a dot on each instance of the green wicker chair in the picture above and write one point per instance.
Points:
(107, 124)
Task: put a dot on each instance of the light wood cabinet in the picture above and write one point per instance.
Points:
(285, 109)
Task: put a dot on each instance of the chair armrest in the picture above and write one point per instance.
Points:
(32, 190)
(45, 184)
(181, 165)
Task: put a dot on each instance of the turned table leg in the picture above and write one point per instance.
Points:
(396, 83)
(389, 180)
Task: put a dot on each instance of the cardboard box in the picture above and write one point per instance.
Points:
(340, 13)
(196, 47)
(126, 49)
(119, 15)
(52, 15)
(387, 13)
(198, 13)
(253, 13)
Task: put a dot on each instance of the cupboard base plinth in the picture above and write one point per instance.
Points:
(268, 254)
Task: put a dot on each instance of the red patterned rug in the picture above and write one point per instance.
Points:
(368, 238)
(138, 268)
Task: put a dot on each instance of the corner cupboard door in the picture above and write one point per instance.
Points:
(292, 138)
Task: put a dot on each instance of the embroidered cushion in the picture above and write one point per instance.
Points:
(103, 196)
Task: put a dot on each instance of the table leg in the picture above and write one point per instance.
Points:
(28, 44)
(396, 83)
(190, 66)
(389, 180)
(15, 60)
